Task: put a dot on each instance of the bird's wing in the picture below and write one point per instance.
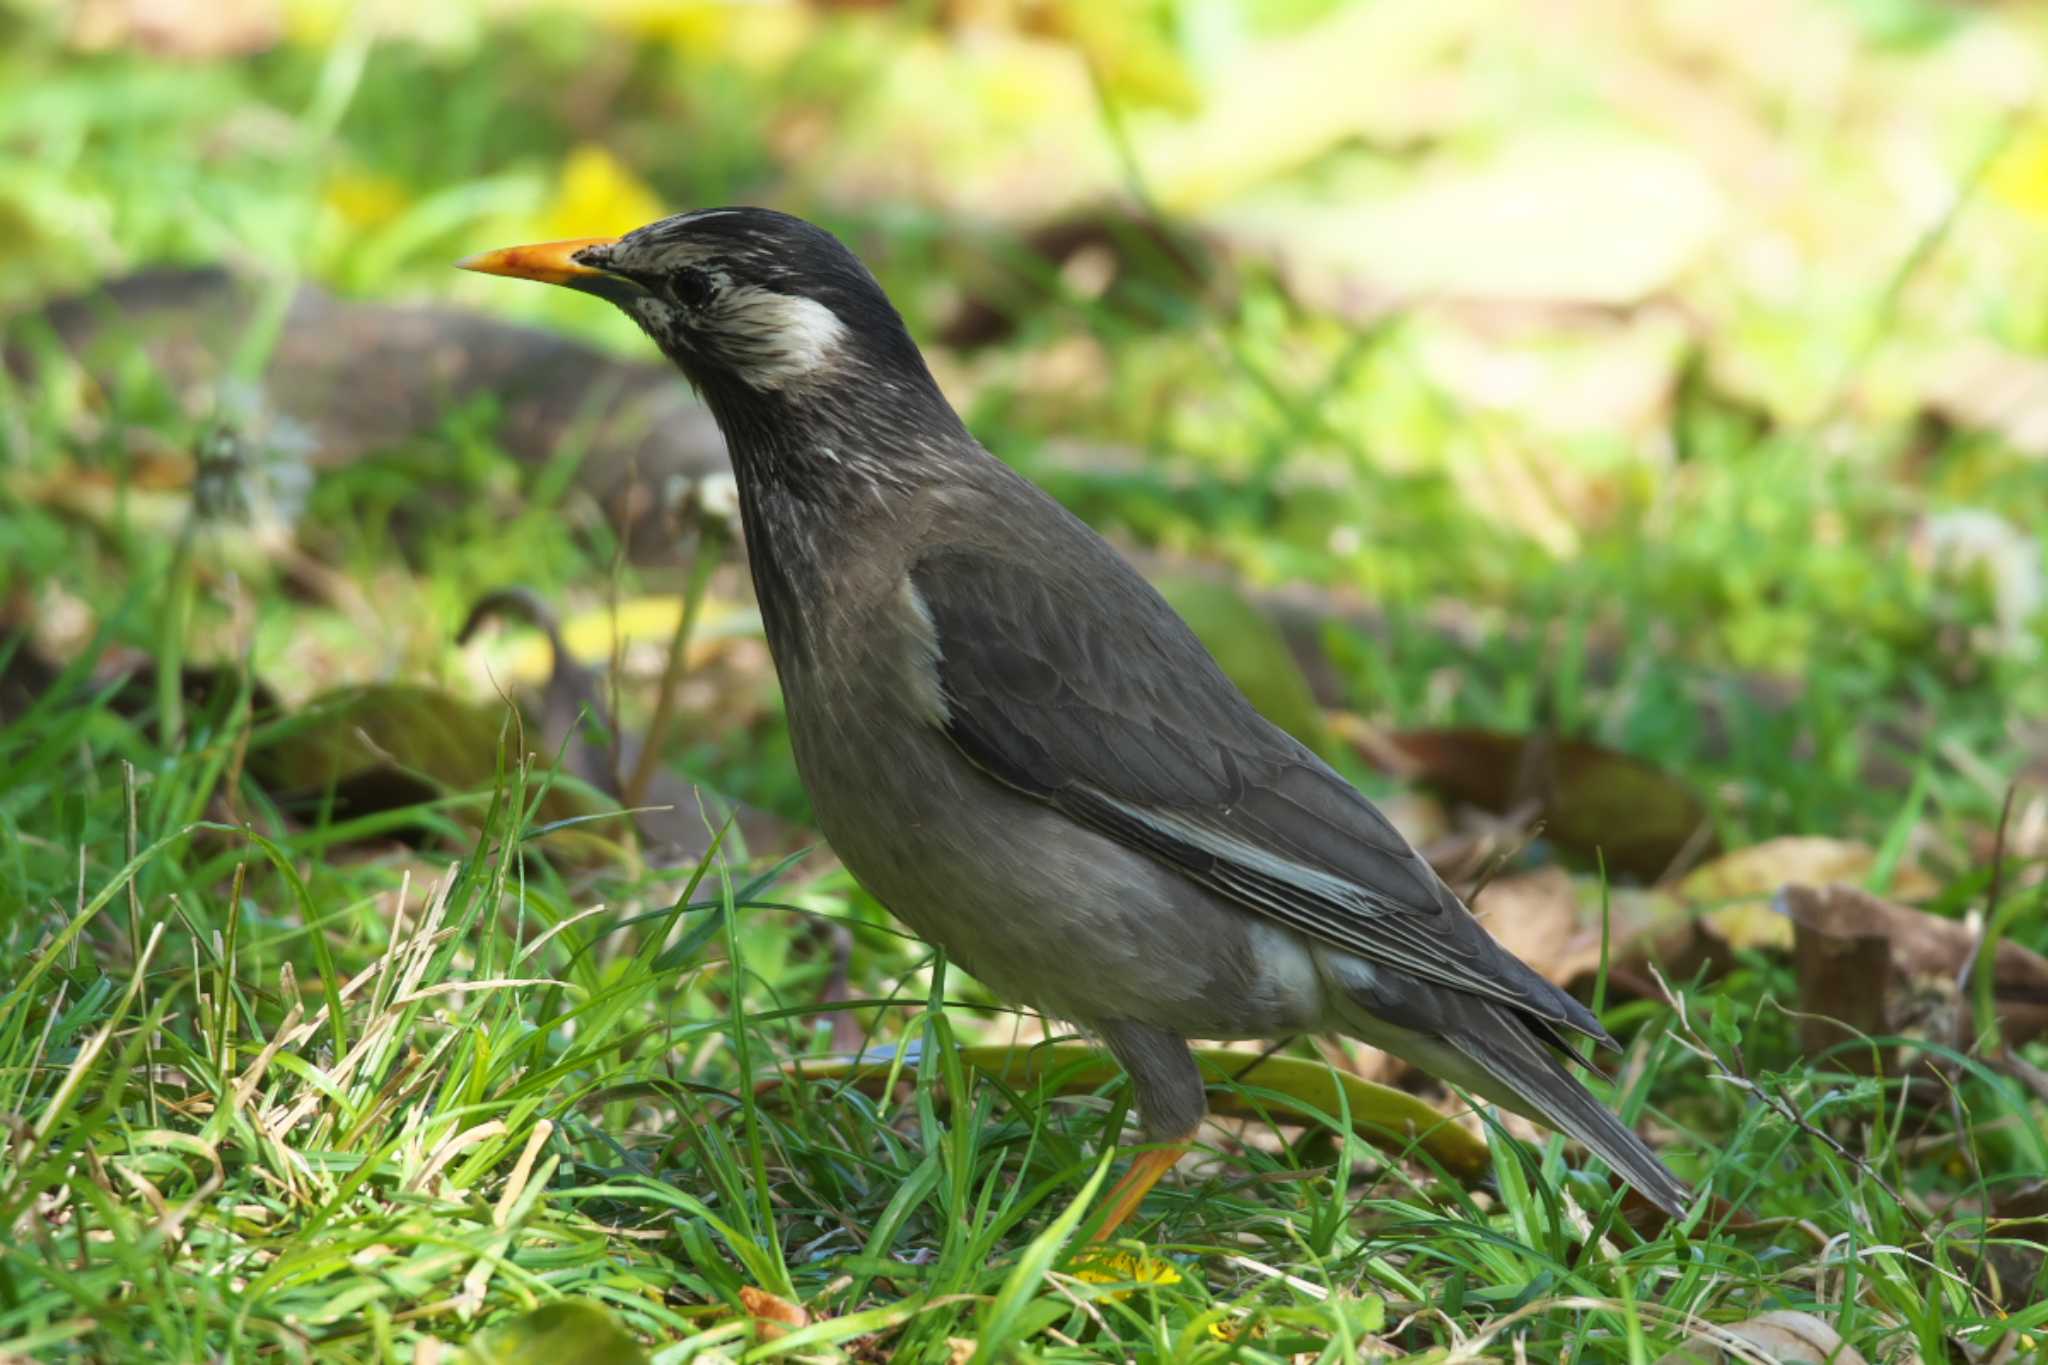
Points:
(1077, 684)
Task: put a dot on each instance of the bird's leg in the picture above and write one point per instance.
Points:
(1168, 1088)
(1125, 1196)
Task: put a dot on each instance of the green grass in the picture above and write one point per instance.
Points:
(296, 1084)
(274, 1105)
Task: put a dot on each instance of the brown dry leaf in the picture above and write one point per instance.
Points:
(1552, 922)
(1739, 886)
(1786, 1335)
(348, 379)
(1638, 817)
(2018, 1240)
(1983, 387)
(773, 1315)
(1845, 977)
(178, 28)
(1924, 954)
(1537, 917)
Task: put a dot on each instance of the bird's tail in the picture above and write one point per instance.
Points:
(1522, 1073)
(1487, 1048)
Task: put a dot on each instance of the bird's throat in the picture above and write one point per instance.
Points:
(819, 470)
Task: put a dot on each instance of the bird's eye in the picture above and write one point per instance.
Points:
(690, 288)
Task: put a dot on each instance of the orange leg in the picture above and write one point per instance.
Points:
(1125, 1196)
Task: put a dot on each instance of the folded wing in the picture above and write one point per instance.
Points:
(1140, 736)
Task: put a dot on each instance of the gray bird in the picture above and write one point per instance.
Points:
(1017, 746)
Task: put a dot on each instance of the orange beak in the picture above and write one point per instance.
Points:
(550, 263)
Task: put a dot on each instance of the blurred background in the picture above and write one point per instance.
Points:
(1614, 432)
(1671, 375)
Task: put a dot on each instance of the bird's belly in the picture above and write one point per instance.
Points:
(1045, 912)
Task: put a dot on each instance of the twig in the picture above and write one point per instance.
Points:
(1773, 1098)
(1916, 258)
(1983, 1011)
(710, 554)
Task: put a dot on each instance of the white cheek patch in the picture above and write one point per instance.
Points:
(773, 340)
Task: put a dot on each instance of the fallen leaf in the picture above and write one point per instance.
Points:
(384, 745)
(1024, 136)
(1379, 73)
(1844, 965)
(676, 817)
(353, 381)
(1638, 818)
(1736, 889)
(1787, 1336)
(1512, 227)
(1391, 1119)
(167, 28)
(643, 623)
(358, 751)
(1249, 648)
(1537, 917)
(1552, 921)
(773, 1315)
(1561, 376)
(1099, 1264)
(1925, 954)
(1136, 58)
(2019, 177)
(565, 1333)
(1984, 387)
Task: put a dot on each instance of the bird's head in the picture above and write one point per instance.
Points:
(736, 296)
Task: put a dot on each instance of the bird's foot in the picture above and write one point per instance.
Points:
(1125, 1196)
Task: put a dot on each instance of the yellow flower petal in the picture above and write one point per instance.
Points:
(1105, 1265)
(599, 196)
(364, 199)
(2019, 177)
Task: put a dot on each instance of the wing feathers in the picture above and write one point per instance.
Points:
(1344, 914)
(1141, 737)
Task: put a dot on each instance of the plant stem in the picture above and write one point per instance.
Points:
(710, 552)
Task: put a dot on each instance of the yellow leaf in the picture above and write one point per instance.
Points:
(1110, 1265)
(1128, 45)
(1739, 885)
(1391, 1119)
(2019, 177)
(599, 196)
(365, 199)
(592, 635)
(1234, 1329)
(748, 34)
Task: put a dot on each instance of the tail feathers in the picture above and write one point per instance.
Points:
(1524, 1075)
